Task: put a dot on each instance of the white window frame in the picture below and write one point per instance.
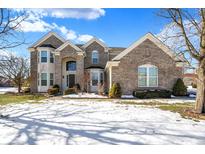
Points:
(51, 53)
(147, 66)
(98, 72)
(95, 55)
(50, 79)
(46, 80)
(46, 56)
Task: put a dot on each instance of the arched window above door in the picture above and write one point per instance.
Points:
(71, 66)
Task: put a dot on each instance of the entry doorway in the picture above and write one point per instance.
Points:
(70, 80)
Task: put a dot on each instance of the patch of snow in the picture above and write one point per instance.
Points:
(63, 121)
(4, 90)
(192, 96)
(127, 96)
(191, 90)
(84, 95)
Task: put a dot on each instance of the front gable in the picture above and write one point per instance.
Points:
(95, 43)
(148, 37)
(49, 39)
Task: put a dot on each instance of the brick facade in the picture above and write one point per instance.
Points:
(146, 53)
(125, 73)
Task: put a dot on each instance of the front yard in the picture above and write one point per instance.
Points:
(103, 121)
(19, 98)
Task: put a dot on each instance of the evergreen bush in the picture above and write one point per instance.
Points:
(179, 89)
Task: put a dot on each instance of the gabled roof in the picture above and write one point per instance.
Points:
(94, 40)
(153, 39)
(69, 43)
(45, 37)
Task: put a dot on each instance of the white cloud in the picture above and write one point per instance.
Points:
(84, 38)
(36, 23)
(86, 13)
(76, 13)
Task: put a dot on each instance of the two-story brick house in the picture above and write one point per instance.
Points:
(147, 63)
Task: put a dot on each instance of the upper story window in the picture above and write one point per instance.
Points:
(51, 57)
(43, 56)
(147, 76)
(71, 66)
(95, 57)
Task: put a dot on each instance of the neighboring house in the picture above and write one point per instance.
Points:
(4, 82)
(146, 64)
(189, 79)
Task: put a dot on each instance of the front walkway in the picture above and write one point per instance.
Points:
(64, 121)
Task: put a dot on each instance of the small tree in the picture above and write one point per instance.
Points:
(115, 91)
(179, 88)
(15, 69)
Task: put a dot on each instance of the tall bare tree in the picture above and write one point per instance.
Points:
(14, 68)
(190, 28)
(10, 22)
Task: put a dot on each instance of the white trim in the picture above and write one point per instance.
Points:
(93, 56)
(68, 43)
(45, 37)
(95, 40)
(98, 71)
(152, 38)
(147, 66)
(110, 77)
(112, 63)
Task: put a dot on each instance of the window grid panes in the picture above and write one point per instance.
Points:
(51, 57)
(71, 66)
(94, 78)
(95, 57)
(43, 79)
(147, 76)
(51, 79)
(43, 56)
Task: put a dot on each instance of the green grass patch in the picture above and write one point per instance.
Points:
(19, 98)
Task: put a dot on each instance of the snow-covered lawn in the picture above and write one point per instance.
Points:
(3, 90)
(64, 121)
(84, 95)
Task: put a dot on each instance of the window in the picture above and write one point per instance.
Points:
(95, 57)
(101, 78)
(38, 78)
(147, 76)
(51, 79)
(43, 56)
(37, 57)
(43, 79)
(94, 78)
(51, 57)
(71, 66)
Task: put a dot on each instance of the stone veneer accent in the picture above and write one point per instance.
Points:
(103, 56)
(145, 53)
(52, 40)
(69, 52)
(34, 71)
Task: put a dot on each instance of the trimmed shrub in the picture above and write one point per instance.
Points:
(144, 94)
(70, 91)
(115, 91)
(56, 86)
(26, 90)
(53, 91)
(179, 88)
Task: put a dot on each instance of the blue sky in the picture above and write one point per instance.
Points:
(116, 27)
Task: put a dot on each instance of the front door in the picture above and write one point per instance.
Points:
(96, 79)
(71, 80)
